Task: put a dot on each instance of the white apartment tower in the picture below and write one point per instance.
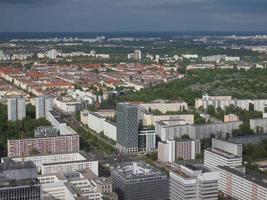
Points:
(43, 105)
(16, 108)
(137, 55)
(52, 54)
(223, 153)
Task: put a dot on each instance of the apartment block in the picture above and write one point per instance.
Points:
(223, 153)
(43, 145)
(166, 151)
(187, 149)
(242, 184)
(43, 105)
(193, 182)
(16, 108)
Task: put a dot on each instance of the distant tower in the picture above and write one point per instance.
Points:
(127, 127)
(137, 55)
(97, 103)
(52, 54)
(43, 105)
(16, 108)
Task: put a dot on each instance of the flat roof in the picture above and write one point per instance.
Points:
(249, 175)
(248, 139)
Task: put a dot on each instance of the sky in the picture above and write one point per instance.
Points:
(132, 15)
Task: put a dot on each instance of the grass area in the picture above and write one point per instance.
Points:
(94, 142)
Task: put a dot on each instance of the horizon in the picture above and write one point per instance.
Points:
(126, 15)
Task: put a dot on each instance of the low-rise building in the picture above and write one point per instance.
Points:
(231, 118)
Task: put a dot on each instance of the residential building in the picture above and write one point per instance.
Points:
(43, 105)
(18, 181)
(127, 127)
(52, 54)
(187, 149)
(16, 108)
(164, 106)
(166, 151)
(137, 55)
(242, 184)
(138, 180)
(193, 182)
(171, 129)
(258, 125)
(260, 105)
(43, 145)
(149, 119)
(231, 118)
(223, 153)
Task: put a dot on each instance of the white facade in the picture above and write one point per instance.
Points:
(52, 54)
(241, 184)
(193, 184)
(43, 105)
(260, 105)
(39, 160)
(259, 125)
(99, 124)
(164, 106)
(166, 151)
(16, 108)
(66, 167)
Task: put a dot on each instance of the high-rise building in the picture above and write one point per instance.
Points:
(187, 149)
(43, 105)
(127, 127)
(137, 55)
(18, 180)
(223, 153)
(16, 108)
(193, 182)
(52, 54)
(147, 140)
(166, 151)
(138, 180)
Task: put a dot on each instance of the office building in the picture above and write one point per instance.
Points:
(223, 153)
(138, 180)
(43, 105)
(43, 145)
(166, 151)
(187, 149)
(127, 128)
(193, 182)
(16, 108)
(146, 140)
(18, 181)
(242, 184)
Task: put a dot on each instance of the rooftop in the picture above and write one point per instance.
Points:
(136, 170)
(249, 175)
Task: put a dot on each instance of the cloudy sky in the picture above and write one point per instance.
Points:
(132, 15)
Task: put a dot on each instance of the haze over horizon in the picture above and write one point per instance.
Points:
(129, 15)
